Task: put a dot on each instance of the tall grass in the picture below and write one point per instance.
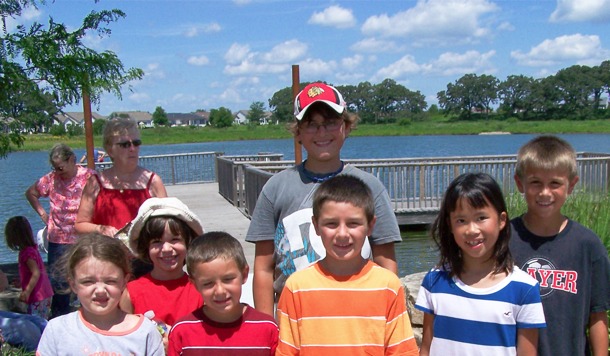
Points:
(589, 209)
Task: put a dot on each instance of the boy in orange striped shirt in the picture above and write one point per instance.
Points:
(344, 304)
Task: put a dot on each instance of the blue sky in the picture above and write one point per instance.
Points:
(204, 54)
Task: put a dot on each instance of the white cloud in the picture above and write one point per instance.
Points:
(506, 26)
(352, 63)
(237, 53)
(153, 70)
(198, 60)
(315, 69)
(285, 52)
(375, 45)
(241, 61)
(403, 66)
(581, 11)
(29, 13)
(230, 95)
(196, 30)
(139, 97)
(439, 21)
(451, 63)
(563, 48)
(249, 67)
(333, 16)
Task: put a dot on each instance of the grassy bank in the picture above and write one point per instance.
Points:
(435, 127)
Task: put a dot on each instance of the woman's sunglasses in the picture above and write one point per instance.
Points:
(128, 144)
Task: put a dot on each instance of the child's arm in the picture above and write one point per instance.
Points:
(262, 284)
(428, 334)
(27, 290)
(527, 342)
(125, 302)
(385, 256)
(598, 333)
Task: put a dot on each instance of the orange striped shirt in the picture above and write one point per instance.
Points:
(362, 314)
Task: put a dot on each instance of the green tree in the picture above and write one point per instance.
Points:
(98, 126)
(159, 117)
(515, 94)
(256, 113)
(469, 94)
(221, 117)
(56, 56)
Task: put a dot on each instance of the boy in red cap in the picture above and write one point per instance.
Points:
(281, 224)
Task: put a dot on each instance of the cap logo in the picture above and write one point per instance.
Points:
(315, 91)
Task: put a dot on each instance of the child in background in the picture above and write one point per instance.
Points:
(160, 234)
(344, 304)
(281, 222)
(36, 287)
(223, 326)
(98, 268)
(476, 302)
(569, 261)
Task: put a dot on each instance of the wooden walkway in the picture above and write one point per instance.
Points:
(215, 212)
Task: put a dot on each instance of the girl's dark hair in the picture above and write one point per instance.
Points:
(18, 233)
(478, 190)
(154, 228)
(101, 247)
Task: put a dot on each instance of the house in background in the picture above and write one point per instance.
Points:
(205, 116)
(143, 118)
(75, 118)
(190, 119)
(241, 117)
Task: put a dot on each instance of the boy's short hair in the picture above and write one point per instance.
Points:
(345, 188)
(547, 152)
(213, 245)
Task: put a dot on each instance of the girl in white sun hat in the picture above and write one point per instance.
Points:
(160, 234)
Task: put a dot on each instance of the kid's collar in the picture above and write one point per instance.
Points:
(319, 178)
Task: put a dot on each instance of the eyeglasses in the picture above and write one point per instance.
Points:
(329, 125)
(127, 144)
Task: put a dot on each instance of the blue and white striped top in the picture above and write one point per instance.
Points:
(479, 321)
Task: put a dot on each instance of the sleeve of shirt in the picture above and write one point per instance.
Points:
(262, 225)
(43, 185)
(424, 297)
(386, 228)
(399, 334)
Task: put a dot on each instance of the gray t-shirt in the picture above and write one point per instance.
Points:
(283, 214)
(70, 334)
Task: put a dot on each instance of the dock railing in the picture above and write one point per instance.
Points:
(231, 177)
(415, 185)
(182, 168)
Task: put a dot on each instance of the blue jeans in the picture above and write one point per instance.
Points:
(61, 299)
(21, 330)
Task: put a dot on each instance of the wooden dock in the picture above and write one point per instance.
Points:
(215, 212)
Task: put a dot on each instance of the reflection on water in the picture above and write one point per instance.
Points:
(416, 253)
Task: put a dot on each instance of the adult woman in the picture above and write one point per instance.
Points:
(111, 199)
(63, 186)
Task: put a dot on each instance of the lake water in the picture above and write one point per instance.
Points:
(19, 170)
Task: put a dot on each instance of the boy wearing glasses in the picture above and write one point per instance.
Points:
(281, 224)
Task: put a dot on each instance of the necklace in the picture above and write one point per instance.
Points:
(319, 178)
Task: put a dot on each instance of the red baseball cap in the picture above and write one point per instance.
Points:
(316, 92)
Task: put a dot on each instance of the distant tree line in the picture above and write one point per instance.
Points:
(573, 93)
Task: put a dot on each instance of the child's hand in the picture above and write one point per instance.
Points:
(24, 296)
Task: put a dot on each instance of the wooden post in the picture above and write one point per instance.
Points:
(88, 129)
(298, 154)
